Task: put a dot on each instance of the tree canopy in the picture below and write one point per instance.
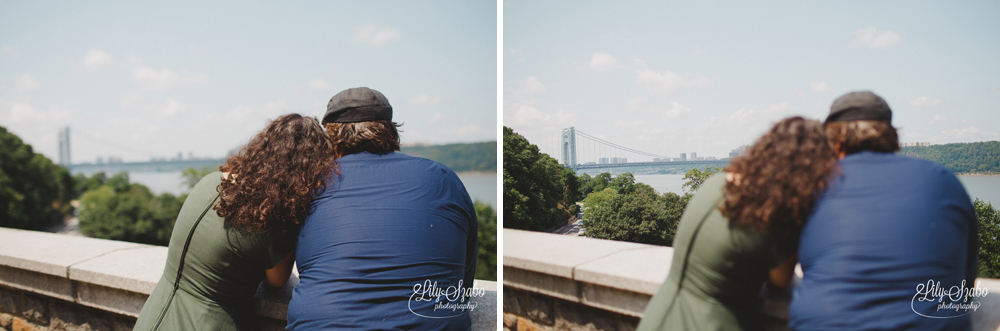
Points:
(459, 157)
(120, 210)
(34, 192)
(486, 265)
(978, 157)
(989, 239)
(629, 211)
(533, 186)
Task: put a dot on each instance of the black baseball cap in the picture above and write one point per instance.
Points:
(359, 104)
(859, 106)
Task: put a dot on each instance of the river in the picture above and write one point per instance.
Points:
(482, 187)
(986, 188)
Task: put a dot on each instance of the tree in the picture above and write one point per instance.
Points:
(694, 177)
(192, 176)
(989, 239)
(121, 210)
(624, 183)
(629, 217)
(486, 263)
(533, 186)
(34, 192)
(599, 198)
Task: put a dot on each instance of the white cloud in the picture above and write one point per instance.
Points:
(676, 110)
(644, 107)
(668, 82)
(873, 38)
(96, 59)
(529, 116)
(925, 102)
(532, 85)
(602, 62)
(317, 85)
(972, 130)
(370, 35)
(26, 83)
(164, 80)
(173, 107)
(11, 52)
(820, 87)
(516, 54)
(425, 100)
(937, 119)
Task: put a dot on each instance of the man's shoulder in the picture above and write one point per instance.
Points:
(899, 163)
(419, 163)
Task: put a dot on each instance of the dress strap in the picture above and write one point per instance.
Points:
(180, 265)
(687, 254)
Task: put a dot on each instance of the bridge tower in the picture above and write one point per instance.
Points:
(569, 147)
(64, 147)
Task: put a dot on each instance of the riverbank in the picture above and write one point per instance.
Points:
(975, 174)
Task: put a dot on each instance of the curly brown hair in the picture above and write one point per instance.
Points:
(274, 178)
(859, 136)
(777, 181)
(372, 136)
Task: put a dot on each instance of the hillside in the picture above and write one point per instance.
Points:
(978, 157)
(460, 157)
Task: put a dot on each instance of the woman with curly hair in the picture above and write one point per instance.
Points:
(741, 229)
(237, 229)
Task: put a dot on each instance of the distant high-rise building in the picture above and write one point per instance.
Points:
(603, 160)
(915, 144)
(739, 150)
(694, 156)
(684, 157)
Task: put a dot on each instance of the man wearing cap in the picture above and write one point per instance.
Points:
(391, 242)
(888, 237)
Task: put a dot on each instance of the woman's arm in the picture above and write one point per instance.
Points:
(278, 276)
(781, 276)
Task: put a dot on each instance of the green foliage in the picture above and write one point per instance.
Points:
(121, 210)
(459, 157)
(630, 211)
(486, 265)
(34, 192)
(82, 183)
(533, 186)
(989, 239)
(192, 176)
(694, 178)
(629, 217)
(978, 157)
(600, 198)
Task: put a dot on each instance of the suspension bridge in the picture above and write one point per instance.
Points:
(584, 152)
(114, 165)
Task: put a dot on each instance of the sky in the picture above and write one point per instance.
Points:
(670, 77)
(140, 80)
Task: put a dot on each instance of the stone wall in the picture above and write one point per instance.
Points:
(555, 282)
(58, 282)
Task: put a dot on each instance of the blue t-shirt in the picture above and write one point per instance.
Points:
(886, 227)
(390, 233)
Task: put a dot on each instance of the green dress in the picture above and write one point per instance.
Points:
(724, 271)
(221, 270)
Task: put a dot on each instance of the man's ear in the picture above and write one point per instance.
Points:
(840, 151)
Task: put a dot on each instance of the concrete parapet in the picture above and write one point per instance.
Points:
(555, 282)
(58, 282)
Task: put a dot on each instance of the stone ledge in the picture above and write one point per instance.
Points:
(620, 278)
(116, 277)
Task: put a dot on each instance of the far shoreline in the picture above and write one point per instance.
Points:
(961, 174)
